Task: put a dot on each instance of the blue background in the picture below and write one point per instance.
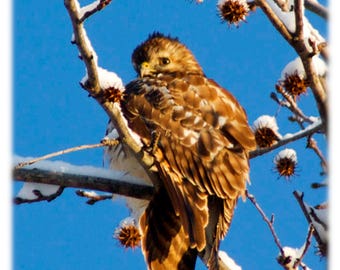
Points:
(51, 112)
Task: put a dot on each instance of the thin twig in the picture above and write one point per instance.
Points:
(269, 222)
(312, 144)
(293, 107)
(92, 196)
(306, 246)
(92, 9)
(66, 151)
(58, 153)
(299, 197)
(40, 196)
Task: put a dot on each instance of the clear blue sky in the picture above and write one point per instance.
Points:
(51, 112)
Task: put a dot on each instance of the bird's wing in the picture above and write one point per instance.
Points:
(202, 143)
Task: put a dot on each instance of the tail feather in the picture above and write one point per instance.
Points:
(164, 242)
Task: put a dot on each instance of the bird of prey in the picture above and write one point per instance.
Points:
(199, 137)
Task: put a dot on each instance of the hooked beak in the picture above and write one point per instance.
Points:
(146, 69)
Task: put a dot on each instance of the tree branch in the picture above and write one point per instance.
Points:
(305, 247)
(62, 152)
(322, 246)
(313, 128)
(269, 222)
(120, 187)
(92, 85)
(275, 20)
(91, 9)
(317, 8)
(292, 106)
(298, 42)
(312, 144)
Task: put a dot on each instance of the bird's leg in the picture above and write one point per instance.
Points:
(155, 135)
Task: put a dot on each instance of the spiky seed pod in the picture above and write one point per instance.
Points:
(294, 84)
(128, 233)
(233, 11)
(285, 162)
(266, 131)
(112, 94)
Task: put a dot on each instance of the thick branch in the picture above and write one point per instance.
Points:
(80, 38)
(83, 182)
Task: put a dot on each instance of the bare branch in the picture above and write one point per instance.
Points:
(84, 47)
(40, 197)
(312, 144)
(306, 246)
(91, 9)
(275, 20)
(92, 196)
(322, 246)
(317, 8)
(316, 85)
(299, 15)
(266, 219)
(292, 106)
(62, 152)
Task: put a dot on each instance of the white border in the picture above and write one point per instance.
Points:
(6, 142)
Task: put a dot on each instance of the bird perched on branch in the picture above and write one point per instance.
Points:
(199, 137)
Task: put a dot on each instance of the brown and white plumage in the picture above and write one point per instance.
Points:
(200, 138)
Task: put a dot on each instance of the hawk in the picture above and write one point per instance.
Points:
(199, 137)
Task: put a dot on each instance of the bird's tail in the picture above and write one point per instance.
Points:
(165, 244)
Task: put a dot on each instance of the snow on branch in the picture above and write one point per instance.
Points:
(62, 174)
(311, 129)
(318, 218)
(92, 8)
(106, 95)
(306, 41)
(289, 258)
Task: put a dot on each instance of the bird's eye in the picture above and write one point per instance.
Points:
(164, 60)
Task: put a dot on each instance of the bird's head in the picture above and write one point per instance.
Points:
(163, 54)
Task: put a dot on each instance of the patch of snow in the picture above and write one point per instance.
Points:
(229, 262)
(296, 66)
(286, 153)
(64, 167)
(26, 192)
